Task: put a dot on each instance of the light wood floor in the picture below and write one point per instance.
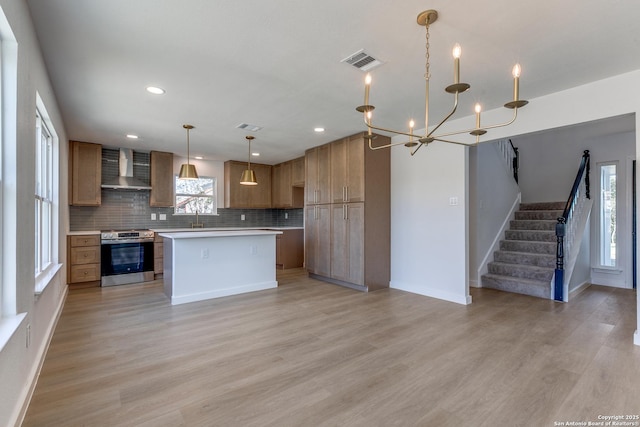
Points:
(315, 354)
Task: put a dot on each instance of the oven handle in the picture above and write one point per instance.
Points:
(117, 242)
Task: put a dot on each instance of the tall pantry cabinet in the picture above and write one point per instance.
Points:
(347, 213)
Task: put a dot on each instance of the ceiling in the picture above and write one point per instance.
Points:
(276, 64)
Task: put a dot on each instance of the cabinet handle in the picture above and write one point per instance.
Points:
(346, 193)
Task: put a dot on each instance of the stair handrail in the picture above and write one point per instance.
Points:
(565, 228)
(515, 160)
(510, 155)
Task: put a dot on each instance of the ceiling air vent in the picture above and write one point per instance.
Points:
(247, 126)
(362, 61)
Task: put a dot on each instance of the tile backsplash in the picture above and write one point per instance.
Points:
(129, 209)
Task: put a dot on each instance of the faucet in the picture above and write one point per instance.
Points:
(197, 224)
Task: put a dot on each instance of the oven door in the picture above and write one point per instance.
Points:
(126, 262)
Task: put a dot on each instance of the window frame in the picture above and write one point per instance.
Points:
(213, 196)
(600, 206)
(47, 197)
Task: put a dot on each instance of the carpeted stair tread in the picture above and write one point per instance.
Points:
(528, 224)
(531, 235)
(521, 271)
(525, 258)
(528, 246)
(542, 206)
(533, 215)
(530, 287)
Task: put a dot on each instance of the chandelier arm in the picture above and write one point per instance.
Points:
(386, 145)
(417, 148)
(370, 126)
(453, 110)
(513, 119)
(456, 142)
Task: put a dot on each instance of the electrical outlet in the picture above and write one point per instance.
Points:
(153, 217)
(286, 215)
(163, 217)
(453, 201)
(242, 217)
(205, 253)
(253, 249)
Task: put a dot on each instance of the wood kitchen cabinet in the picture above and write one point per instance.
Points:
(347, 243)
(347, 170)
(83, 260)
(297, 172)
(317, 248)
(246, 196)
(162, 179)
(347, 239)
(284, 194)
(290, 249)
(317, 175)
(158, 256)
(85, 165)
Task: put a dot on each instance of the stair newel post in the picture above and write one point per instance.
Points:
(587, 157)
(559, 274)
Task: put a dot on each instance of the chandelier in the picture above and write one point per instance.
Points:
(416, 141)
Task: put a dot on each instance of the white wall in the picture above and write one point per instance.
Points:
(19, 364)
(414, 197)
(428, 234)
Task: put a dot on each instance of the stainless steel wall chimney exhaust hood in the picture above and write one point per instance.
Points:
(126, 180)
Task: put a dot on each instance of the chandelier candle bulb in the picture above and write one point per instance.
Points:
(478, 110)
(367, 86)
(457, 51)
(516, 81)
(411, 125)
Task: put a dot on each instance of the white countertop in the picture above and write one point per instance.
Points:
(212, 233)
(189, 229)
(83, 233)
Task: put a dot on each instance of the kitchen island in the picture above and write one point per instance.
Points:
(200, 265)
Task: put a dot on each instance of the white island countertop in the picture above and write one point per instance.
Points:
(215, 233)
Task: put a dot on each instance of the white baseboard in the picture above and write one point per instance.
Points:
(217, 293)
(433, 293)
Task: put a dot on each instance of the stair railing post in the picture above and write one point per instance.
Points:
(559, 273)
(587, 157)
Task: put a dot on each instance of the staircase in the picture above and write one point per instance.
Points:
(527, 257)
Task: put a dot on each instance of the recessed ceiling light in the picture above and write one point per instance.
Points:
(255, 154)
(155, 90)
(318, 129)
(198, 157)
(132, 136)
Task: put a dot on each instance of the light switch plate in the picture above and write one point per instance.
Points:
(153, 217)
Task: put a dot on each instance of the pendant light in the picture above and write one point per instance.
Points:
(187, 170)
(249, 176)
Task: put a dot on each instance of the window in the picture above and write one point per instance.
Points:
(196, 196)
(44, 196)
(608, 234)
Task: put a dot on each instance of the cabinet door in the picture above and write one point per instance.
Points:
(339, 168)
(276, 188)
(311, 176)
(318, 239)
(235, 195)
(162, 180)
(324, 174)
(347, 242)
(355, 243)
(86, 174)
(354, 173)
(297, 172)
(261, 193)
